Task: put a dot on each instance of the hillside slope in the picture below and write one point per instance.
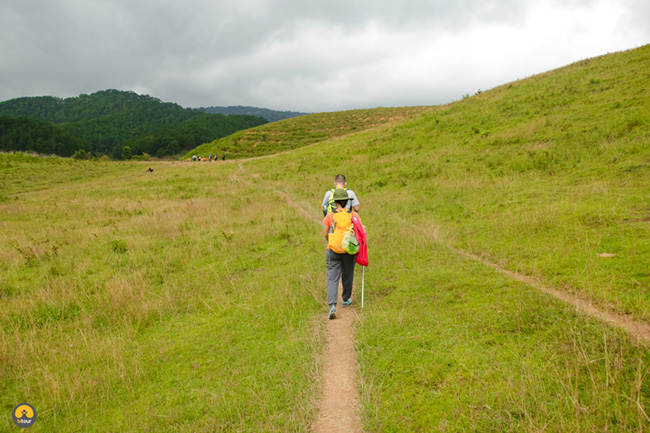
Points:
(302, 131)
(540, 175)
(548, 177)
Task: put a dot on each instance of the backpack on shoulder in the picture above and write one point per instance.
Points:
(342, 239)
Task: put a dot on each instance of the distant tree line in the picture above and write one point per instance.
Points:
(21, 134)
(106, 121)
(191, 133)
(270, 115)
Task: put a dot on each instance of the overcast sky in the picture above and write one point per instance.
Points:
(302, 55)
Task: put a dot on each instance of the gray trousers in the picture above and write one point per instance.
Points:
(339, 266)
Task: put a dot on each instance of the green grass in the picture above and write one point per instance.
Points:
(192, 299)
(447, 344)
(141, 298)
(22, 173)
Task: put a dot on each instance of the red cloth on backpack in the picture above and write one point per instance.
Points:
(360, 233)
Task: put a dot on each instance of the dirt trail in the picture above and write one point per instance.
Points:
(339, 404)
(639, 330)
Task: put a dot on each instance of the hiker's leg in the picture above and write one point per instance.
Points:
(334, 267)
(348, 275)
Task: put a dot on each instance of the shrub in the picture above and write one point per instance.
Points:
(80, 154)
(118, 246)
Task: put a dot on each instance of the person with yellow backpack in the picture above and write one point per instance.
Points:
(342, 248)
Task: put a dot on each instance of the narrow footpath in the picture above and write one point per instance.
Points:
(339, 404)
(638, 330)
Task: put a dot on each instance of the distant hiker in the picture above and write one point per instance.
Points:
(328, 201)
(340, 263)
(223, 157)
(150, 170)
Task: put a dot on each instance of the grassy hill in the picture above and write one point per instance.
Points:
(301, 131)
(192, 298)
(540, 176)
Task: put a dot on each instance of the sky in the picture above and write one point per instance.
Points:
(302, 55)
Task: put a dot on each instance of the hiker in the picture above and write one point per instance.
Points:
(340, 264)
(223, 157)
(339, 183)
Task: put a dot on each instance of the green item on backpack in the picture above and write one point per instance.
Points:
(350, 244)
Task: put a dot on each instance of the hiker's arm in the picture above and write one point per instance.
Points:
(326, 232)
(355, 208)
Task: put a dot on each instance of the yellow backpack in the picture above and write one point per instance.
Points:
(341, 224)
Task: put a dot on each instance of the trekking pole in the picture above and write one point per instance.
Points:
(363, 277)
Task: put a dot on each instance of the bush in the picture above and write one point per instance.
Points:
(118, 246)
(80, 154)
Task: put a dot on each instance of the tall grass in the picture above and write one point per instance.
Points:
(169, 299)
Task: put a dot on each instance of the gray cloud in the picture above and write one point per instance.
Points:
(301, 55)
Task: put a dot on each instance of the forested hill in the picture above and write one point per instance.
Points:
(111, 119)
(24, 134)
(270, 115)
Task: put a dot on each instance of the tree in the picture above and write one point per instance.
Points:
(126, 153)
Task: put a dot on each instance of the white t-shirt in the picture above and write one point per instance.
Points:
(351, 194)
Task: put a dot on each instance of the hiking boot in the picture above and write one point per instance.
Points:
(332, 314)
(346, 302)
